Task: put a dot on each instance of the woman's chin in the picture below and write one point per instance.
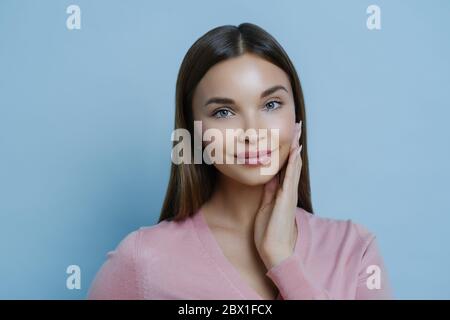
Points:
(251, 176)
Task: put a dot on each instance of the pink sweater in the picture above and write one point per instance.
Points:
(333, 259)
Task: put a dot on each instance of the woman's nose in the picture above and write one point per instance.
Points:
(251, 131)
(249, 136)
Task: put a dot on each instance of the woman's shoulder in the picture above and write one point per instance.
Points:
(119, 276)
(335, 231)
(159, 236)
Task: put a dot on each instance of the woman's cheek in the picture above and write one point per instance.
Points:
(286, 132)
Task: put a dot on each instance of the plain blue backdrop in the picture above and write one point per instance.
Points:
(86, 117)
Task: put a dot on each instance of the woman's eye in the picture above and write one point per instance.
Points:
(222, 113)
(272, 105)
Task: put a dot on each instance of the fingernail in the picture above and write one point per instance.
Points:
(300, 149)
(296, 130)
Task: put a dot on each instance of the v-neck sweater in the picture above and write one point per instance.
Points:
(332, 259)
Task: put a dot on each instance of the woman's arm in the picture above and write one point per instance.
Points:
(294, 283)
(117, 277)
(373, 280)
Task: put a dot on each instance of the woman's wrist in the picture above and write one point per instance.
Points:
(275, 257)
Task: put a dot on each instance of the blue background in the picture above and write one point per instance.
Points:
(86, 117)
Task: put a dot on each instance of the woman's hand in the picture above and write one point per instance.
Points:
(275, 232)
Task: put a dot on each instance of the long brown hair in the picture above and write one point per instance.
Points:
(191, 185)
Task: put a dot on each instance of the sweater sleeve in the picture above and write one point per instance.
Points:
(294, 283)
(373, 280)
(117, 279)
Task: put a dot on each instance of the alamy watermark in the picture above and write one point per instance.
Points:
(73, 21)
(223, 149)
(73, 281)
(373, 21)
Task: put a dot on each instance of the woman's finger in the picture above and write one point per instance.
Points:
(293, 163)
(298, 130)
(300, 163)
(292, 146)
(298, 173)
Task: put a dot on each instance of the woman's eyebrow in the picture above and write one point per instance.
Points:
(271, 90)
(265, 93)
(219, 100)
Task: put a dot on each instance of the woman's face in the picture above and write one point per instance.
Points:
(233, 94)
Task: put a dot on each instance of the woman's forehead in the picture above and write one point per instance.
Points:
(247, 75)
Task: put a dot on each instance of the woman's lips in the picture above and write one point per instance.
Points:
(254, 157)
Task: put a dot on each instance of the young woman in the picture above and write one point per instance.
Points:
(227, 231)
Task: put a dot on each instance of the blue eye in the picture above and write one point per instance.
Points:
(221, 113)
(272, 105)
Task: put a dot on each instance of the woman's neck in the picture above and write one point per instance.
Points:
(234, 205)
